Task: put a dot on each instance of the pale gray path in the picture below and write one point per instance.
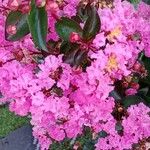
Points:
(20, 139)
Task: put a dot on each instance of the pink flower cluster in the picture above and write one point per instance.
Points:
(60, 99)
(135, 128)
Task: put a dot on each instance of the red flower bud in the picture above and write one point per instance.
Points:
(74, 37)
(135, 85)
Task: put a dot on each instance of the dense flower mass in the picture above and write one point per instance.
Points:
(62, 94)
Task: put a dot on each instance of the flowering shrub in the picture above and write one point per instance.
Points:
(72, 64)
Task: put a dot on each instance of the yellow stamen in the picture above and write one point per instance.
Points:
(114, 33)
(112, 63)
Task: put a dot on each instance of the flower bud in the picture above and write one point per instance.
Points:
(74, 37)
(11, 29)
(137, 66)
(135, 85)
(125, 84)
(14, 4)
(40, 3)
(120, 109)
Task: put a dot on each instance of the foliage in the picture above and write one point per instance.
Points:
(75, 65)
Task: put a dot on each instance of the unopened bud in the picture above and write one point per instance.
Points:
(11, 29)
(135, 85)
(137, 66)
(40, 3)
(74, 37)
(125, 84)
(120, 109)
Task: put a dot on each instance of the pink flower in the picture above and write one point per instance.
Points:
(69, 10)
(61, 100)
(99, 40)
(56, 133)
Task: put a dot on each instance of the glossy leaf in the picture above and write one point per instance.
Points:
(37, 21)
(75, 58)
(146, 62)
(92, 24)
(65, 26)
(18, 19)
(143, 91)
(82, 13)
(67, 47)
(132, 100)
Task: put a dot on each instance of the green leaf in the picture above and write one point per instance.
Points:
(19, 20)
(75, 58)
(37, 21)
(132, 100)
(65, 26)
(89, 145)
(135, 3)
(82, 13)
(92, 24)
(143, 91)
(67, 47)
(147, 1)
(146, 62)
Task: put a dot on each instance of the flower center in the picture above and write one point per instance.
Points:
(114, 33)
(112, 63)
